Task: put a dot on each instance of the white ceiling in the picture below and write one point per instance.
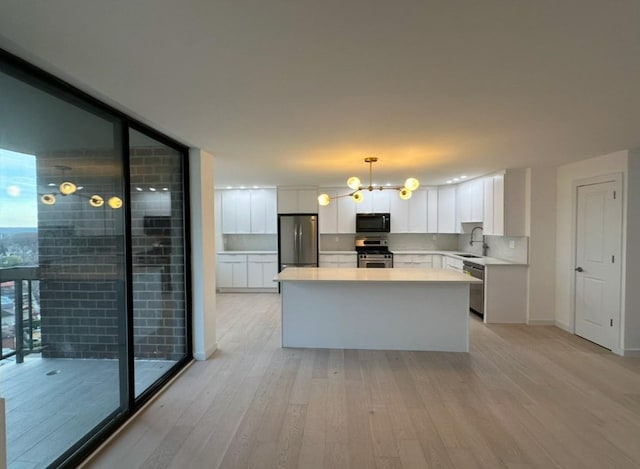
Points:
(286, 92)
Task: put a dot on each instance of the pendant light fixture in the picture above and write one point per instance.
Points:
(67, 188)
(357, 194)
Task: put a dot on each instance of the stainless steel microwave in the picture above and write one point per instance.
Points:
(373, 222)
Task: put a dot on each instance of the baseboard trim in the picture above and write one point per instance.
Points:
(202, 356)
(564, 327)
(631, 352)
(541, 322)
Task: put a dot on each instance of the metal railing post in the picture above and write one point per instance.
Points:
(19, 332)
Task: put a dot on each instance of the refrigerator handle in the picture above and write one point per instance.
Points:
(299, 243)
(295, 243)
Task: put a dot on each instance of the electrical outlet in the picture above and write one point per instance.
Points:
(512, 244)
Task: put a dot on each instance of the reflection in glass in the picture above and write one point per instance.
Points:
(157, 229)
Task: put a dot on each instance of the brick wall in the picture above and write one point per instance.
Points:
(81, 249)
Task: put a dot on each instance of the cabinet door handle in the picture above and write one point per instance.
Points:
(579, 269)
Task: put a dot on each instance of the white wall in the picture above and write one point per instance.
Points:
(631, 340)
(542, 245)
(203, 254)
(565, 199)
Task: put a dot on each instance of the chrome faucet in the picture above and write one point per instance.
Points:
(471, 240)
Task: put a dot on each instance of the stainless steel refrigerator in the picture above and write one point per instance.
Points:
(298, 240)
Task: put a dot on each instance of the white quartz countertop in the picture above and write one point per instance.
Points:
(339, 252)
(246, 252)
(331, 274)
(456, 255)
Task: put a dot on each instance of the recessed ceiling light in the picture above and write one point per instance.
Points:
(463, 177)
(449, 181)
(139, 189)
(229, 187)
(165, 188)
(152, 189)
(456, 179)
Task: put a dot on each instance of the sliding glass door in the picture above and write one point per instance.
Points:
(92, 266)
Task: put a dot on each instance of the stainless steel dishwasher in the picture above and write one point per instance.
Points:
(476, 290)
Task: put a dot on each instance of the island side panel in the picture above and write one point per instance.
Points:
(376, 315)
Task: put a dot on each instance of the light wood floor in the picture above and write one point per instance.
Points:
(524, 397)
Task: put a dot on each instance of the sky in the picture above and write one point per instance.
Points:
(18, 190)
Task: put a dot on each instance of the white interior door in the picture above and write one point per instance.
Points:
(597, 269)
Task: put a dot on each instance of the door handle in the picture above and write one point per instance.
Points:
(579, 269)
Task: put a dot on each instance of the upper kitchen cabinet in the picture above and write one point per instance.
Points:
(409, 216)
(447, 209)
(432, 210)
(236, 211)
(264, 218)
(505, 203)
(292, 200)
(339, 216)
(469, 201)
(375, 201)
(248, 211)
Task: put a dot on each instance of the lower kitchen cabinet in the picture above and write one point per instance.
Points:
(238, 272)
(413, 261)
(231, 271)
(261, 268)
(453, 264)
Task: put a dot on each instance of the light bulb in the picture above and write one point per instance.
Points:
(48, 199)
(324, 199)
(115, 202)
(357, 197)
(353, 182)
(405, 193)
(67, 188)
(411, 184)
(96, 201)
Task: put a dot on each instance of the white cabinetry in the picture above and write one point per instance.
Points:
(246, 271)
(413, 261)
(248, 211)
(338, 260)
(263, 211)
(236, 211)
(469, 201)
(409, 216)
(432, 210)
(376, 201)
(232, 271)
(453, 264)
(505, 203)
(261, 268)
(297, 200)
(447, 209)
(339, 216)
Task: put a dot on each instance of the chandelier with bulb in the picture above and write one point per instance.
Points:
(354, 183)
(69, 188)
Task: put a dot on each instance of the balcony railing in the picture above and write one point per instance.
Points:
(20, 311)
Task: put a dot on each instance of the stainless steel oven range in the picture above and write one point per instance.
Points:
(373, 252)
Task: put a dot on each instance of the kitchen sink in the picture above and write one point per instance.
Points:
(469, 256)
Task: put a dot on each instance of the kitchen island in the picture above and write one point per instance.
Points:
(383, 309)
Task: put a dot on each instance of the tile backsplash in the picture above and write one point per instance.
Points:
(250, 242)
(510, 248)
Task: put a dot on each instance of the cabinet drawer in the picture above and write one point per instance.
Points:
(232, 258)
(262, 258)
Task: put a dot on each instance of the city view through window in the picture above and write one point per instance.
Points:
(19, 248)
